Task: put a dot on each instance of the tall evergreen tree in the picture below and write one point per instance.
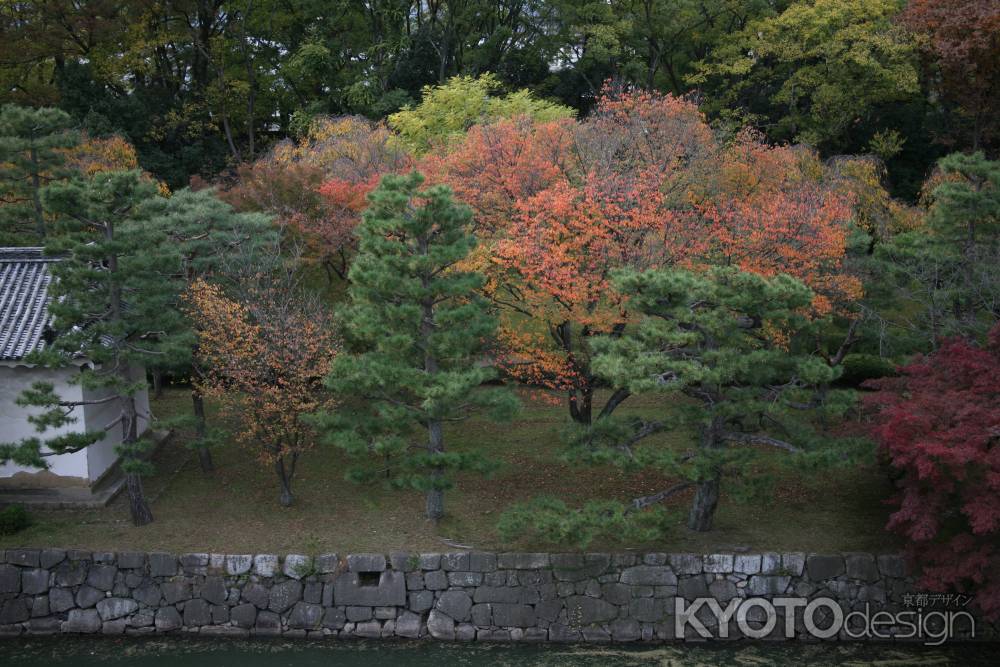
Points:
(721, 340)
(112, 306)
(415, 332)
(30, 159)
(191, 234)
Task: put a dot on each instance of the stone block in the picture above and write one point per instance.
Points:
(821, 568)
(465, 579)
(455, 561)
(649, 575)
(793, 564)
(421, 601)
(408, 625)
(265, 565)
(746, 563)
(132, 560)
(513, 615)
(455, 604)
(71, 573)
(102, 577)
(404, 561)
(283, 595)
(194, 563)
(24, 557)
(440, 626)
(10, 579)
(523, 561)
(718, 563)
(366, 563)
(297, 566)
(87, 597)
(685, 563)
(243, 615)
(892, 565)
(83, 621)
(176, 590)
(350, 588)
(480, 561)
(167, 619)
(213, 589)
(430, 561)
(14, 611)
(34, 582)
(197, 612)
(327, 563)
(625, 630)
(162, 565)
(768, 585)
(237, 564)
(268, 624)
(355, 614)
(257, 595)
(112, 608)
(582, 610)
(859, 566)
(60, 600)
(49, 558)
(306, 616)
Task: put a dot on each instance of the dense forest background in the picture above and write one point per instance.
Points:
(200, 86)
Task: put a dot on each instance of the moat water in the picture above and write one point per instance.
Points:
(192, 652)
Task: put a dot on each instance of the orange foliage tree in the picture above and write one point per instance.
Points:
(266, 351)
(316, 187)
(642, 183)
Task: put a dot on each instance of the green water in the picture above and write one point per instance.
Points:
(190, 652)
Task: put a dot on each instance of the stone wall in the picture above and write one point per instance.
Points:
(451, 596)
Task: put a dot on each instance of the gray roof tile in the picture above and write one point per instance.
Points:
(24, 315)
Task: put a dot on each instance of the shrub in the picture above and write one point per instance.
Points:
(858, 368)
(13, 519)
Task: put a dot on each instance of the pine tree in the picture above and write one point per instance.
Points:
(30, 158)
(194, 233)
(722, 340)
(415, 332)
(112, 306)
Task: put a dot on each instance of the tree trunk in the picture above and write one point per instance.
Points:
(435, 496)
(703, 507)
(141, 514)
(204, 453)
(285, 477)
(706, 498)
(157, 384)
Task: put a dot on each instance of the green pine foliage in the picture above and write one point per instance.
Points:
(416, 335)
(943, 279)
(30, 159)
(111, 302)
(709, 343)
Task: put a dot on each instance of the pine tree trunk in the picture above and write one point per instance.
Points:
(141, 513)
(435, 496)
(204, 454)
(157, 384)
(139, 508)
(703, 507)
(706, 498)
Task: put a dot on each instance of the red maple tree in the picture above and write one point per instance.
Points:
(939, 425)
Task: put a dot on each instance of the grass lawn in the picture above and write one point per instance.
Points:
(236, 510)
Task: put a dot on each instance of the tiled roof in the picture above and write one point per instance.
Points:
(24, 315)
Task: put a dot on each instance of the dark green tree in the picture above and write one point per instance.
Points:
(416, 334)
(717, 346)
(195, 234)
(30, 159)
(943, 279)
(112, 304)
